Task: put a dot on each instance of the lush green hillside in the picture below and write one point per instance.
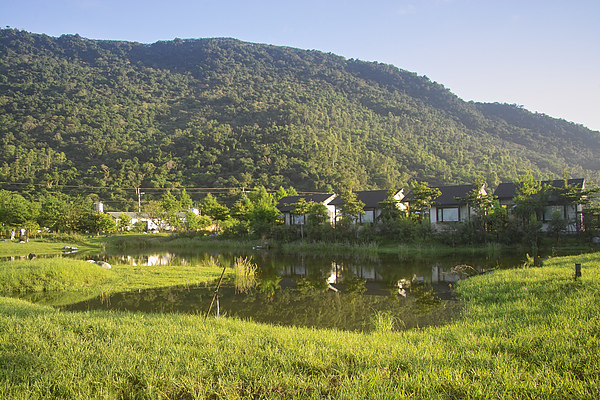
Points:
(112, 116)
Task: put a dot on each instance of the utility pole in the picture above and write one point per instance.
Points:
(139, 199)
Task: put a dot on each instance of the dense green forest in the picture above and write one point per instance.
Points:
(106, 117)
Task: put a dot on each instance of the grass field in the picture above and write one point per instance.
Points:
(43, 247)
(530, 333)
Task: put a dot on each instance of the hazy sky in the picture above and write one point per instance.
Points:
(542, 54)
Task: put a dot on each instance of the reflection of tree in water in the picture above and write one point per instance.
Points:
(268, 283)
(311, 283)
(282, 304)
(354, 284)
(425, 298)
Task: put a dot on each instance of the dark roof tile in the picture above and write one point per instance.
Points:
(506, 191)
(371, 198)
(284, 204)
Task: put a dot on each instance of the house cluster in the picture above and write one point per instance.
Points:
(446, 209)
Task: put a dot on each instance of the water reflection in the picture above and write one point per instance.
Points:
(293, 302)
(320, 292)
(151, 260)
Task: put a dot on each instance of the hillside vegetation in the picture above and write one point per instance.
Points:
(106, 117)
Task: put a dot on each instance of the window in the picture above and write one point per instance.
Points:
(367, 217)
(449, 214)
(552, 210)
(297, 219)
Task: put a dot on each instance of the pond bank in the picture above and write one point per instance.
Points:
(128, 242)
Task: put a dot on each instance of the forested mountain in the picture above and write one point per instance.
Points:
(108, 117)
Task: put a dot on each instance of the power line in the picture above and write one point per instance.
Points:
(108, 188)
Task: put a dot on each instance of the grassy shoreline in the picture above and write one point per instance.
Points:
(525, 333)
(72, 280)
(181, 242)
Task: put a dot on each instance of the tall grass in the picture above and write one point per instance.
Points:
(329, 248)
(49, 274)
(244, 275)
(383, 322)
(202, 242)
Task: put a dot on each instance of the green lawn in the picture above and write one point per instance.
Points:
(40, 246)
(525, 334)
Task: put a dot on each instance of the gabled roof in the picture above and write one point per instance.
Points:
(371, 198)
(285, 203)
(451, 194)
(507, 191)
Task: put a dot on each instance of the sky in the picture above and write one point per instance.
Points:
(541, 54)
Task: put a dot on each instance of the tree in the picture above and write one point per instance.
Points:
(124, 222)
(60, 213)
(301, 208)
(281, 193)
(389, 208)
(170, 207)
(211, 207)
(15, 211)
(317, 213)
(489, 215)
(185, 201)
(155, 213)
(263, 211)
(352, 208)
(422, 198)
(240, 210)
(195, 222)
(105, 223)
(572, 195)
(531, 200)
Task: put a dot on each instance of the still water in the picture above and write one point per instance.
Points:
(347, 293)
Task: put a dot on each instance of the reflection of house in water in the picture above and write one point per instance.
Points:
(295, 269)
(438, 274)
(384, 271)
(150, 260)
(338, 270)
(368, 273)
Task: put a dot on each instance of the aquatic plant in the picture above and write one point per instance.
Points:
(244, 275)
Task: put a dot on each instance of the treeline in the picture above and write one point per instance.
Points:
(107, 117)
(255, 215)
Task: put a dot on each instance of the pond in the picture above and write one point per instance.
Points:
(348, 293)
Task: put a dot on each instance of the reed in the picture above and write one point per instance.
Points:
(383, 322)
(244, 275)
(329, 248)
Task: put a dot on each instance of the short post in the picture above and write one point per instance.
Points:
(577, 271)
